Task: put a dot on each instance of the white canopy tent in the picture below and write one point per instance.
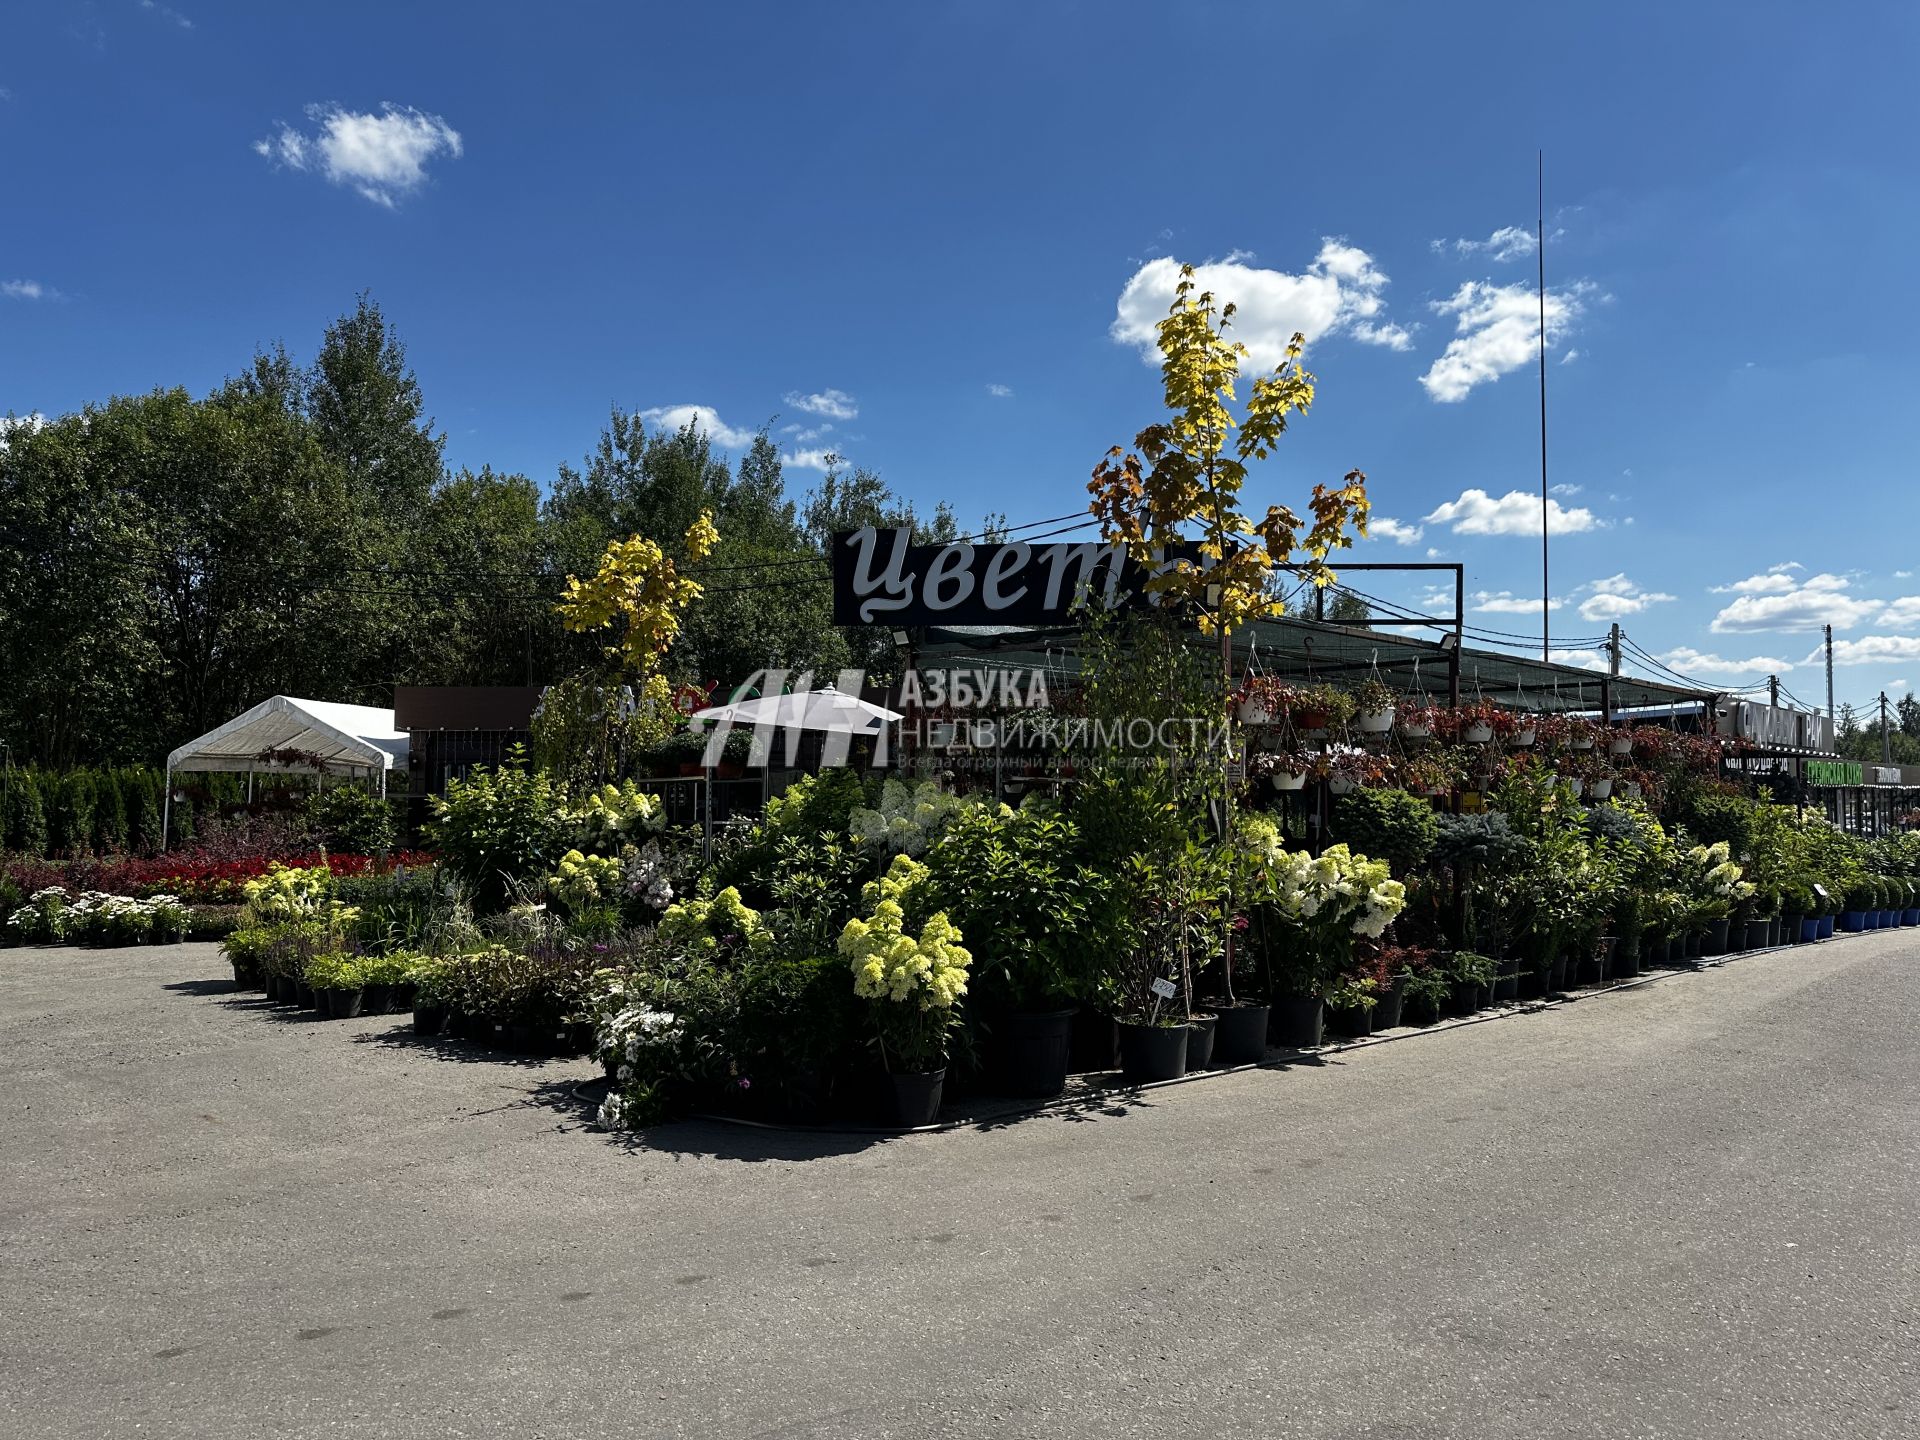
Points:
(825, 709)
(304, 737)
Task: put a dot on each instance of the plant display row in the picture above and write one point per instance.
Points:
(53, 916)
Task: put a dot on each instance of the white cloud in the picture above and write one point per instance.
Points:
(1580, 659)
(1569, 357)
(810, 459)
(1514, 513)
(1775, 580)
(167, 13)
(1509, 242)
(383, 157)
(1400, 532)
(1339, 293)
(1569, 491)
(1616, 597)
(1804, 605)
(1902, 614)
(1499, 331)
(1870, 650)
(834, 404)
(1505, 602)
(1689, 661)
(24, 290)
(1903, 574)
(1000, 392)
(703, 418)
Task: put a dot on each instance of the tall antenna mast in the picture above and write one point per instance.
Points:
(1540, 249)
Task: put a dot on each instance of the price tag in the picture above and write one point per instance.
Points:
(1165, 989)
(1821, 891)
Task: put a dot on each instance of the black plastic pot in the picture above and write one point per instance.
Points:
(345, 1004)
(378, 999)
(1506, 983)
(468, 1026)
(1420, 1010)
(245, 976)
(1466, 999)
(1240, 1035)
(1557, 971)
(1692, 949)
(271, 983)
(1153, 1052)
(429, 1019)
(1350, 1020)
(313, 998)
(1756, 937)
(1096, 1042)
(1793, 929)
(1626, 957)
(1297, 1023)
(1386, 1010)
(916, 1098)
(1200, 1032)
(1032, 1049)
(1714, 942)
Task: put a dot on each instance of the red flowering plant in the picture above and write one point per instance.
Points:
(1422, 718)
(1484, 712)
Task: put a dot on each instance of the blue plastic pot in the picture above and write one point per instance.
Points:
(1853, 921)
(1809, 929)
(1912, 917)
(1826, 927)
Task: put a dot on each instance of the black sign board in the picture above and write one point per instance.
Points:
(880, 577)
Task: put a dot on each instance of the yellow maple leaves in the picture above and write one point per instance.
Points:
(1189, 470)
(638, 583)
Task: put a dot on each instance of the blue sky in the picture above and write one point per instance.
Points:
(941, 222)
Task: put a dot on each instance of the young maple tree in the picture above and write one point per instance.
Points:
(639, 587)
(1189, 470)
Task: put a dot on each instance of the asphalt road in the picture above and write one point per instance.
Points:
(1686, 1209)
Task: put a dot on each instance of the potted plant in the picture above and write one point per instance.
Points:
(1304, 918)
(1375, 703)
(913, 985)
(1262, 700)
(1034, 919)
(1580, 733)
(1526, 730)
(1288, 769)
(1471, 977)
(1416, 721)
(1479, 722)
(1350, 1002)
(1619, 741)
(1314, 709)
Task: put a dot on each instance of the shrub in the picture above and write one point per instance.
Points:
(353, 820)
(1389, 825)
(500, 826)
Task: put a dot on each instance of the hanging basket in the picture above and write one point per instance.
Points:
(1478, 732)
(1620, 745)
(1283, 781)
(1415, 730)
(1341, 785)
(1375, 722)
(1253, 711)
(1601, 789)
(1524, 737)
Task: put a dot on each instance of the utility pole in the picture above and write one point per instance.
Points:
(1540, 249)
(1613, 650)
(1886, 735)
(1773, 691)
(1832, 714)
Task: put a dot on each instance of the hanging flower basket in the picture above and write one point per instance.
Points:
(1601, 789)
(1253, 711)
(1476, 732)
(1524, 737)
(1282, 780)
(1376, 722)
(1620, 745)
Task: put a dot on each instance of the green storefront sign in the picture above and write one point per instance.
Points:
(1835, 772)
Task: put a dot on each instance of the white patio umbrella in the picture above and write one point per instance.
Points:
(825, 709)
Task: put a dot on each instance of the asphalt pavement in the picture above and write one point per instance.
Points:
(1683, 1209)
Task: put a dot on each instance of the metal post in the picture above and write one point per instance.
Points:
(166, 808)
(1886, 733)
(1832, 714)
(1773, 691)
